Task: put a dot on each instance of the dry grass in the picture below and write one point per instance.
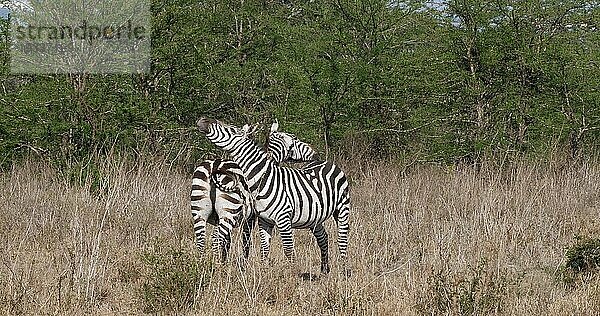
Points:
(434, 241)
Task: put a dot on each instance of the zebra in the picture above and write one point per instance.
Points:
(287, 147)
(287, 197)
(220, 196)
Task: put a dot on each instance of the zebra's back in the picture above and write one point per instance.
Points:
(314, 193)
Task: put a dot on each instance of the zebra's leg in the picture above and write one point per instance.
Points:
(247, 235)
(221, 239)
(200, 232)
(284, 225)
(323, 242)
(199, 229)
(342, 216)
(216, 241)
(225, 242)
(265, 232)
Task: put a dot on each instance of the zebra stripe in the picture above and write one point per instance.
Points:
(287, 197)
(287, 147)
(220, 197)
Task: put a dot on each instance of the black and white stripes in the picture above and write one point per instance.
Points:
(287, 147)
(287, 197)
(220, 196)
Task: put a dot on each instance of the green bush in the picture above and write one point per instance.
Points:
(172, 280)
(582, 259)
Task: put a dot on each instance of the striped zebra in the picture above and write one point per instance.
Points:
(287, 197)
(220, 196)
(287, 147)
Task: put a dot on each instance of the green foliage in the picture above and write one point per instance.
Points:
(86, 175)
(171, 280)
(446, 81)
(583, 258)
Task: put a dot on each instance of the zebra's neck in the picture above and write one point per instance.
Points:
(253, 161)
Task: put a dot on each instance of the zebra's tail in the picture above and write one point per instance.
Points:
(233, 181)
(224, 180)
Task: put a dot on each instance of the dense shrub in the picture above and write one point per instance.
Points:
(583, 259)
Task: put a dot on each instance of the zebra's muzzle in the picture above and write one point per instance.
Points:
(204, 123)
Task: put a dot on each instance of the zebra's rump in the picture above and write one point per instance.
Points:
(219, 191)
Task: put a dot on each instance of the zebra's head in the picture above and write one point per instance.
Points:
(287, 147)
(223, 135)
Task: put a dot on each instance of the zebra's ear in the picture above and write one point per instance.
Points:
(274, 127)
(246, 129)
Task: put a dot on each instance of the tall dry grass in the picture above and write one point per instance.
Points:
(433, 241)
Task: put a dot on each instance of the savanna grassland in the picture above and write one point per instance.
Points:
(117, 239)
